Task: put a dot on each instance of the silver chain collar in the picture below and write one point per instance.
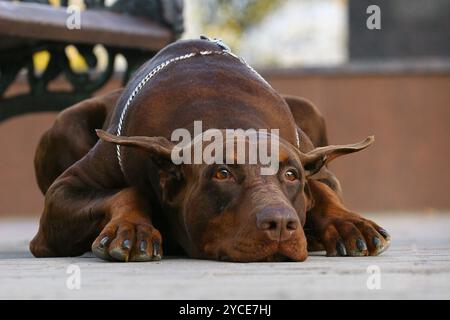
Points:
(225, 51)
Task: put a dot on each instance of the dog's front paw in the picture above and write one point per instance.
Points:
(123, 240)
(351, 235)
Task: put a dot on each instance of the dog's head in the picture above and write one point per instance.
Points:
(232, 211)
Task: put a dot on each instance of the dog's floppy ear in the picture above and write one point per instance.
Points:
(159, 149)
(157, 146)
(314, 160)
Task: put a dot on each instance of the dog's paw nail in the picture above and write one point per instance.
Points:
(156, 254)
(376, 242)
(142, 255)
(361, 245)
(143, 246)
(341, 248)
(126, 244)
(103, 242)
(384, 233)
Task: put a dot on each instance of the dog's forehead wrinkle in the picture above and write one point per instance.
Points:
(263, 193)
(256, 182)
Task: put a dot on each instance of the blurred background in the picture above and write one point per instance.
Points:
(393, 82)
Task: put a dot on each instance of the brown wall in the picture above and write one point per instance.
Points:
(405, 169)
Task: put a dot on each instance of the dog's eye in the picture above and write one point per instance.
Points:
(290, 175)
(222, 174)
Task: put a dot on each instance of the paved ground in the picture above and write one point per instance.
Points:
(416, 266)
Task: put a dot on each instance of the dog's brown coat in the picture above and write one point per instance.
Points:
(91, 204)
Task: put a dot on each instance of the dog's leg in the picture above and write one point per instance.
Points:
(80, 213)
(329, 225)
(129, 235)
(71, 137)
(340, 231)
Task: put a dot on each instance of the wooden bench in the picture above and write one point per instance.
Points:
(27, 28)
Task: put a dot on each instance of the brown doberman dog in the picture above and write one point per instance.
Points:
(123, 194)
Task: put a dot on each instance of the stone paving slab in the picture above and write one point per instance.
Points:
(416, 266)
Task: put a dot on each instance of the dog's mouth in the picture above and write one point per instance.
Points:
(272, 258)
(276, 252)
(277, 257)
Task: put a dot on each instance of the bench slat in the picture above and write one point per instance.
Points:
(43, 22)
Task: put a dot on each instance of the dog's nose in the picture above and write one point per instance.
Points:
(277, 223)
